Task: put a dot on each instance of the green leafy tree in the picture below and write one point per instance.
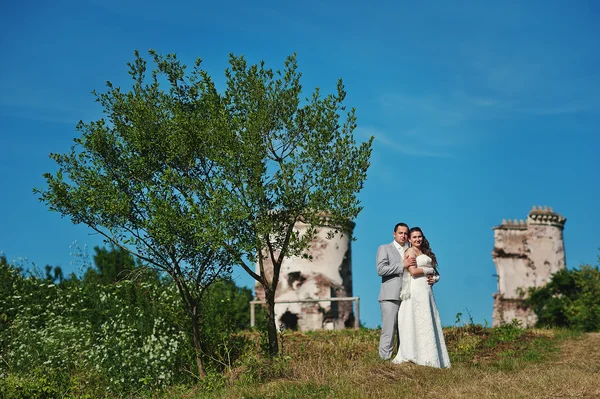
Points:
(54, 274)
(228, 298)
(189, 179)
(142, 176)
(285, 160)
(111, 264)
(571, 299)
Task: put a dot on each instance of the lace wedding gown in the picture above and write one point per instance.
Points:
(421, 338)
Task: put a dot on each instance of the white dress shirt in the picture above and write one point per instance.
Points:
(402, 249)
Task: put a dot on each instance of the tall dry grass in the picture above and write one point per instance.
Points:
(344, 364)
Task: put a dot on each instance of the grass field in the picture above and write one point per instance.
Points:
(506, 362)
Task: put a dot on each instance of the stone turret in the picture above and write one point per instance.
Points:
(328, 275)
(526, 254)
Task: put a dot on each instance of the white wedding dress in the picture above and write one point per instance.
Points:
(421, 338)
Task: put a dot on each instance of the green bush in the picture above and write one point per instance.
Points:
(128, 341)
(36, 385)
(507, 332)
(110, 339)
(226, 311)
(571, 299)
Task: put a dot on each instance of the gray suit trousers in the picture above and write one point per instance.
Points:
(389, 327)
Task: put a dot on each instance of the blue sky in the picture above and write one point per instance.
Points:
(479, 111)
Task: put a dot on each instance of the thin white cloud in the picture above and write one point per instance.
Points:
(558, 110)
(400, 143)
(529, 79)
(443, 112)
(436, 125)
(26, 101)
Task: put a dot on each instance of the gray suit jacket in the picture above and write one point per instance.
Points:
(390, 267)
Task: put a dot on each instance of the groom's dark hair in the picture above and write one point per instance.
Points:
(398, 225)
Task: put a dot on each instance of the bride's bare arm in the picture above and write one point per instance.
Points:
(409, 259)
(414, 270)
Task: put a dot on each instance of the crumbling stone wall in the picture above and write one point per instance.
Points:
(328, 275)
(526, 254)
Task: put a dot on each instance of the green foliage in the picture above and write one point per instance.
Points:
(191, 180)
(284, 159)
(39, 384)
(506, 332)
(226, 308)
(146, 177)
(571, 299)
(54, 274)
(505, 347)
(111, 265)
(114, 339)
(233, 302)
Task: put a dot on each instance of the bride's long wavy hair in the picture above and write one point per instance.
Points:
(425, 247)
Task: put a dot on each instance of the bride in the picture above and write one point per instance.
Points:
(420, 330)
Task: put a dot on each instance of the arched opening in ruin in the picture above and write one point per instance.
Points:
(289, 320)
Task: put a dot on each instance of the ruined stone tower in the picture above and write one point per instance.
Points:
(526, 254)
(328, 275)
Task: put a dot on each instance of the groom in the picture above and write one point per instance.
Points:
(390, 266)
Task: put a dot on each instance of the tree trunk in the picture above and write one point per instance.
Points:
(197, 347)
(271, 323)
